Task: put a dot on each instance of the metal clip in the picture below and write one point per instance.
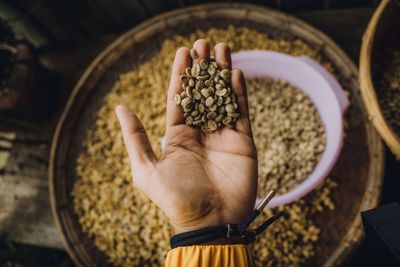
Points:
(229, 230)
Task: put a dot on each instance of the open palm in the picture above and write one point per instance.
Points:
(202, 179)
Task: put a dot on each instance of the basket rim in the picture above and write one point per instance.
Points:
(354, 234)
(368, 90)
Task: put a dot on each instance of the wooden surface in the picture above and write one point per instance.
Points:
(24, 197)
(37, 227)
(50, 22)
(25, 214)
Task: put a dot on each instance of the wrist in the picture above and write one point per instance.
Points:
(198, 224)
(188, 228)
(227, 234)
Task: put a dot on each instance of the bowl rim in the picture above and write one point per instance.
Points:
(333, 147)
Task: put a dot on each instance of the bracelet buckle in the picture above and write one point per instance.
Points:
(231, 230)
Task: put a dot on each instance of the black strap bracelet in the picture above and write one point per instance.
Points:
(200, 236)
(208, 234)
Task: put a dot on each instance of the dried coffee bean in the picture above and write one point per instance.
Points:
(213, 108)
(203, 64)
(203, 77)
(220, 101)
(209, 101)
(219, 118)
(211, 115)
(183, 78)
(196, 94)
(211, 69)
(204, 92)
(230, 108)
(199, 85)
(188, 72)
(201, 108)
(193, 53)
(195, 70)
(189, 120)
(177, 99)
(186, 101)
(227, 120)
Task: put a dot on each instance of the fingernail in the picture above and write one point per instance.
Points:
(120, 110)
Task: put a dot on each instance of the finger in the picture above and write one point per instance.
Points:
(239, 87)
(223, 56)
(202, 48)
(181, 62)
(137, 143)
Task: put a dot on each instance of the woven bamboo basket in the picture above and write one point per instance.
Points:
(385, 18)
(358, 171)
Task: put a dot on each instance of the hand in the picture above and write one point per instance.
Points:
(202, 179)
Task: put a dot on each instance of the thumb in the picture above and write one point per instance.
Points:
(137, 143)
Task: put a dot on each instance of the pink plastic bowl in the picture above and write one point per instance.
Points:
(322, 88)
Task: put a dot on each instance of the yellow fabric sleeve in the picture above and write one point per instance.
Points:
(210, 255)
